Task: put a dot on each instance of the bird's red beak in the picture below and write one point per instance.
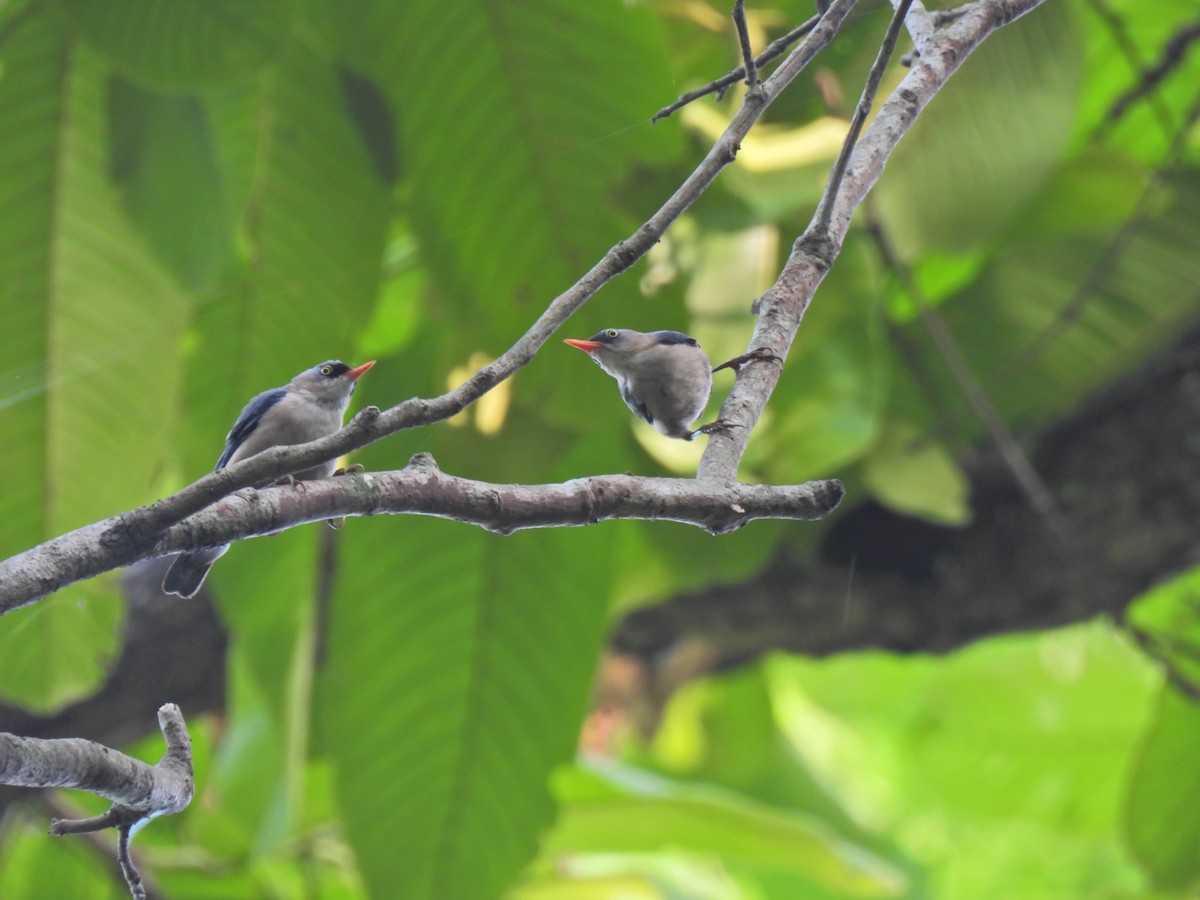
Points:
(355, 374)
(585, 346)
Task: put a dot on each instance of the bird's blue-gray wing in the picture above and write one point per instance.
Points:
(250, 419)
(633, 401)
(673, 337)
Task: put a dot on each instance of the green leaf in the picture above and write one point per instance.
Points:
(968, 144)
(972, 761)
(1033, 338)
(653, 814)
(165, 162)
(90, 324)
(513, 168)
(458, 670)
(1162, 815)
(33, 865)
(1168, 619)
(314, 224)
(187, 44)
(260, 769)
(915, 475)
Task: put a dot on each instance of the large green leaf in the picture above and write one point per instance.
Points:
(634, 812)
(512, 166)
(267, 589)
(90, 324)
(1162, 818)
(1035, 340)
(973, 762)
(1168, 619)
(181, 43)
(314, 225)
(990, 137)
(164, 159)
(458, 671)
(31, 865)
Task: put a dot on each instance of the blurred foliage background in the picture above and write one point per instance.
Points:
(198, 200)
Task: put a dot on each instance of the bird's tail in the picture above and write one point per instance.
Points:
(188, 572)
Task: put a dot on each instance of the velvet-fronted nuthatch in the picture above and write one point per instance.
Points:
(308, 407)
(664, 376)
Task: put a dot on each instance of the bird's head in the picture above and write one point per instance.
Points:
(613, 342)
(332, 381)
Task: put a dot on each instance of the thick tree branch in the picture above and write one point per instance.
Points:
(132, 535)
(138, 791)
(419, 488)
(781, 309)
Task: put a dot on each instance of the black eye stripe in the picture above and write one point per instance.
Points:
(332, 369)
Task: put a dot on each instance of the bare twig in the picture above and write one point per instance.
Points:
(1128, 48)
(865, 102)
(776, 48)
(101, 848)
(1171, 57)
(743, 33)
(421, 488)
(132, 877)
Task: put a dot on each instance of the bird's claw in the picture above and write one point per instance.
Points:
(337, 523)
(352, 469)
(759, 354)
(713, 427)
(286, 481)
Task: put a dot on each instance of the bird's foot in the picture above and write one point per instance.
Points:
(352, 469)
(713, 427)
(760, 354)
(286, 480)
(337, 523)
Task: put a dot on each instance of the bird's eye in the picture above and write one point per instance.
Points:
(612, 333)
(326, 370)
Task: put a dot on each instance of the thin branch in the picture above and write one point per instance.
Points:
(781, 309)
(776, 48)
(100, 847)
(423, 489)
(743, 33)
(132, 877)
(1172, 56)
(865, 102)
(1128, 48)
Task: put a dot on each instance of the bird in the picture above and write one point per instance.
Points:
(664, 376)
(308, 407)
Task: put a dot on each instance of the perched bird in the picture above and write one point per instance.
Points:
(308, 407)
(664, 376)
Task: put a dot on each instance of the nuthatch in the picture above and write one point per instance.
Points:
(308, 407)
(664, 376)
